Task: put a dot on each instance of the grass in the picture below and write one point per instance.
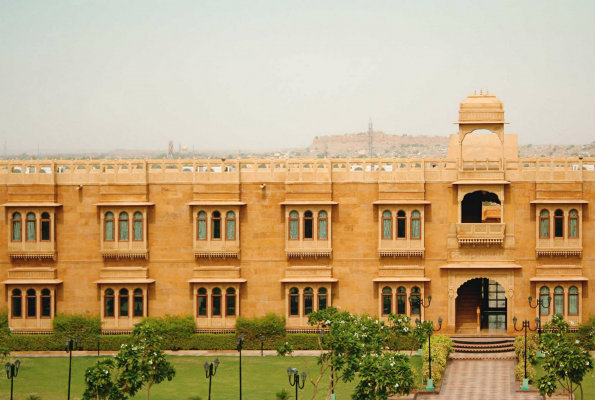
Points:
(262, 377)
(588, 382)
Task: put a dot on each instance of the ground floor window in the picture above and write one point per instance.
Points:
(303, 299)
(401, 299)
(215, 302)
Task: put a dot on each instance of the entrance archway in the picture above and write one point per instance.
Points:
(481, 306)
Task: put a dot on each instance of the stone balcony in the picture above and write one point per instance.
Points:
(478, 233)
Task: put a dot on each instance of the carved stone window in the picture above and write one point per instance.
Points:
(32, 233)
(401, 230)
(309, 232)
(124, 232)
(217, 231)
(559, 230)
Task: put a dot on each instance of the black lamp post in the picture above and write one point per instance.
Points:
(293, 372)
(240, 344)
(70, 346)
(210, 371)
(12, 370)
(526, 326)
(332, 368)
(430, 385)
(261, 345)
(544, 304)
(98, 344)
(421, 302)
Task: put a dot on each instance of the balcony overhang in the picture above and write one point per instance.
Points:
(124, 281)
(481, 182)
(125, 203)
(559, 201)
(481, 265)
(559, 278)
(23, 281)
(216, 203)
(401, 202)
(311, 279)
(308, 203)
(217, 280)
(31, 204)
(401, 279)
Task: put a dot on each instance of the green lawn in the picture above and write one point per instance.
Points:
(588, 383)
(262, 378)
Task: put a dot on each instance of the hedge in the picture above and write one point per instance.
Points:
(441, 349)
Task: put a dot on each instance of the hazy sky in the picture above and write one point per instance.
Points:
(100, 75)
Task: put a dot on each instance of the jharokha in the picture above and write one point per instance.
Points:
(480, 232)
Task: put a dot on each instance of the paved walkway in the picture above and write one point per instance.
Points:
(479, 380)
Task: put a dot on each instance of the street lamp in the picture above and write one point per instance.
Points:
(210, 372)
(545, 304)
(430, 385)
(421, 303)
(70, 346)
(98, 344)
(332, 367)
(526, 326)
(296, 379)
(261, 345)
(240, 344)
(12, 370)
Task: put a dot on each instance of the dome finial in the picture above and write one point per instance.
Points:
(481, 92)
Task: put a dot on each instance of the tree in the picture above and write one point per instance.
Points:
(142, 364)
(100, 383)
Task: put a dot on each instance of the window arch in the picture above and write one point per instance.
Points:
(308, 225)
(544, 224)
(31, 234)
(46, 303)
(559, 300)
(230, 302)
(123, 226)
(17, 303)
(230, 225)
(544, 296)
(573, 300)
(294, 301)
(401, 301)
(202, 225)
(109, 300)
(415, 301)
(17, 228)
(415, 225)
(294, 224)
(138, 226)
(31, 303)
(109, 226)
(138, 305)
(387, 300)
(201, 302)
(216, 302)
(559, 224)
(124, 303)
(322, 225)
(216, 225)
(45, 227)
(308, 301)
(401, 224)
(387, 225)
(573, 224)
(322, 298)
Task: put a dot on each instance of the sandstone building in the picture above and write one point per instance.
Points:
(479, 231)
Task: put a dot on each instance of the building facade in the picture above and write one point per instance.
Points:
(480, 232)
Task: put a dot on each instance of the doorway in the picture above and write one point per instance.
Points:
(487, 295)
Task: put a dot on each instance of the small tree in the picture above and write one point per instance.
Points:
(100, 383)
(382, 375)
(142, 364)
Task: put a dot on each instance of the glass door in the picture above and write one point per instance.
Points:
(493, 306)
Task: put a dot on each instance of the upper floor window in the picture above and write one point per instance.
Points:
(16, 227)
(293, 225)
(45, 227)
(138, 226)
(559, 224)
(401, 224)
(322, 225)
(124, 232)
(559, 300)
(230, 226)
(544, 224)
(415, 225)
(216, 225)
(387, 225)
(308, 225)
(573, 300)
(123, 226)
(217, 231)
(31, 222)
(573, 224)
(109, 226)
(202, 226)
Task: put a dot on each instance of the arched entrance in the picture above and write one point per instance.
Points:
(481, 307)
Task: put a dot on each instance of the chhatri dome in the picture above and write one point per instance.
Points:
(481, 108)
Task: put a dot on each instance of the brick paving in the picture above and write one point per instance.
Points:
(479, 380)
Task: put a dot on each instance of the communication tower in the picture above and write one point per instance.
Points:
(170, 149)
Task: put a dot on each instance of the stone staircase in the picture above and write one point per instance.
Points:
(467, 303)
(472, 347)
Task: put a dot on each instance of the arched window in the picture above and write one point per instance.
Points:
(216, 224)
(109, 226)
(31, 303)
(124, 304)
(401, 224)
(138, 226)
(573, 301)
(31, 234)
(46, 303)
(573, 224)
(294, 301)
(415, 225)
(230, 301)
(109, 300)
(387, 225)
(45, 227)
(322, 298)
(294, 225)
(544, 296)
(415, 301)
(559, 224)
(17, 228)
(123, 226)
(401, 301)
(559, 300)
(138, 302)
(216, 302)
(387, 301)
(17, 303)
(202, 226)
(230, 226)
(322, 225)
(308, 225)
(201, 305)
(308, 301)
(544, 224)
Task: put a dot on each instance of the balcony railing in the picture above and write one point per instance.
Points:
(478, 233)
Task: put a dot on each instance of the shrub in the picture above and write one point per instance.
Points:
(532, 346)
(441, 349)
(86, 326)
(270, 326)
(282, 395)
(174, 329)
(586, 334)
(519, 371)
